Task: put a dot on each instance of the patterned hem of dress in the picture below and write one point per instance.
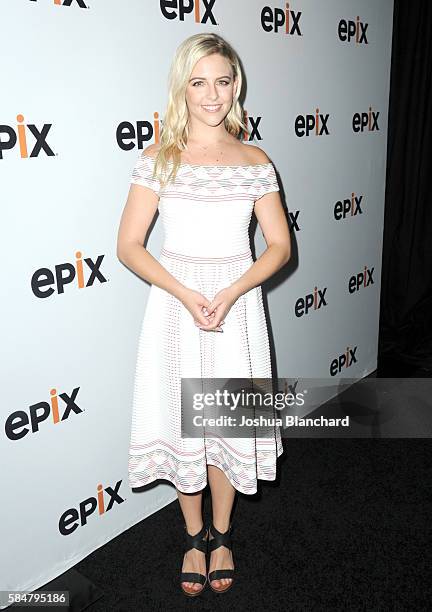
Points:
(193, 479)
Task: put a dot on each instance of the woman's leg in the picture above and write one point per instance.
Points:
(194, 560)
(223, 494)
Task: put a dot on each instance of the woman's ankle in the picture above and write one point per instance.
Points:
(194, 528)
(222, 525)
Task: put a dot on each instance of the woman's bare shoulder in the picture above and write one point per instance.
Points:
(255, 155)
(152, 150)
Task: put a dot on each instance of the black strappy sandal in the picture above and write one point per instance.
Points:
(220, 539)
(195, 541)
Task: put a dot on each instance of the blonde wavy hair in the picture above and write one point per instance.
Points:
(175, 128)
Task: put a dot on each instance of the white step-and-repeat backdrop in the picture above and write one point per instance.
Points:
(84, 86)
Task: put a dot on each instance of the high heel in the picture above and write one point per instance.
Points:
(220, 539)
(195, 541)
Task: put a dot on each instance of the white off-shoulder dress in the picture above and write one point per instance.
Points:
(205, 214)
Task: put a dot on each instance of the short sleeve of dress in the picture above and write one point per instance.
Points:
(142, 173)
(266, 181)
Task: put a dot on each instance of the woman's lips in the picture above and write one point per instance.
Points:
(212, 108)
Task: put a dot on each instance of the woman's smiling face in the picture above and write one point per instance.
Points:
(210, 90)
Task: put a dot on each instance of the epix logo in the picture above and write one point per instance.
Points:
(348, 207)
(310, 302)
(345, 360)
(306, 125)
(102, 502)
(67, 2)
(365, 122)
(64, 274)
(177, 9)
(128, 133)
(362, 279)
(19, 134)
(353, 31)
(275, 19)
(20, 423)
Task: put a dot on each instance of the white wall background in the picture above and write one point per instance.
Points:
(87, 71)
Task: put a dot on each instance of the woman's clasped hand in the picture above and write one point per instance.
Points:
(209, 315)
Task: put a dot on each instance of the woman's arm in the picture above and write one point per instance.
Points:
(274, 226)
(138, 213)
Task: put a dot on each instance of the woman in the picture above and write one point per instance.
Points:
(204, 315)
